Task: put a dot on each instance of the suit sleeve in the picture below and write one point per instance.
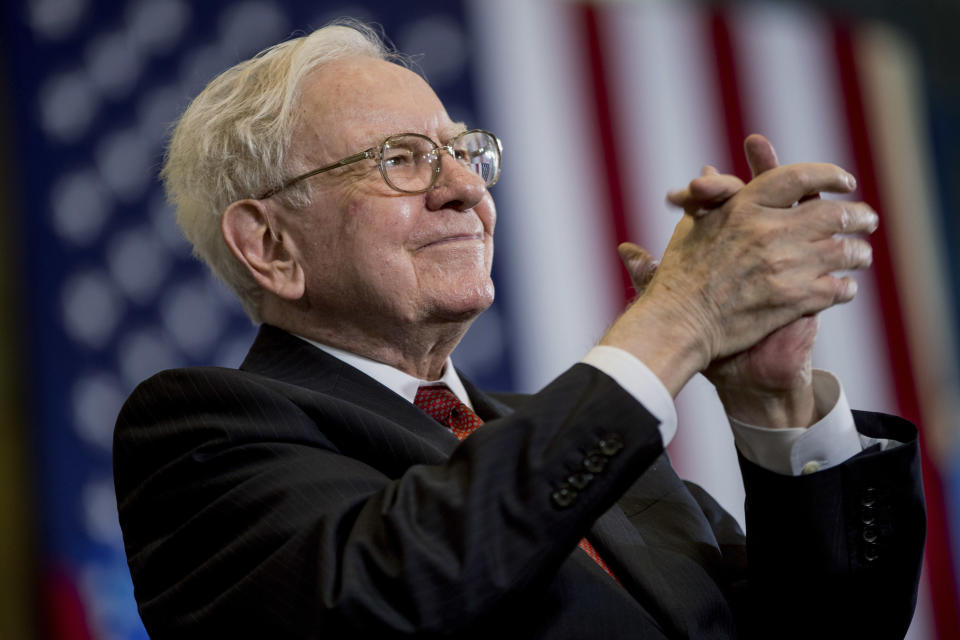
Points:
(242, 516)
(838, 550)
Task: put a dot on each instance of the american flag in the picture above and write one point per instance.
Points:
(635, 96)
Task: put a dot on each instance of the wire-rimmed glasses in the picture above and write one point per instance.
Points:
(410, 162)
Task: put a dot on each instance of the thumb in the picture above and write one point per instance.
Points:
(761, 156)
(639, 263)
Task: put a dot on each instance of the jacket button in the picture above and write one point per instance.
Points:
(611, 444)
(870, 534)
(870, 554)
(594, 462)
(564, 496)
(580, 480)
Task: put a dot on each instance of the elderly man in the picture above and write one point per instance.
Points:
(327, 487)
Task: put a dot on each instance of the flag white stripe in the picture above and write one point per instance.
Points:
(552, 228)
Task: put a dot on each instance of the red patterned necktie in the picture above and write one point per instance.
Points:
(442, 404)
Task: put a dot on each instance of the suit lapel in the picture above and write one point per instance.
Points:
(285, 358)
(670, 574)
(488, 408)
(634, 564)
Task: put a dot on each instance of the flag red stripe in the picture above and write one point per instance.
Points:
(63, 615)
(939, 564)
(729, 88)
(608, 152)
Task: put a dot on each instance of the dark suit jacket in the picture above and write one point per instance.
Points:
(298, 498)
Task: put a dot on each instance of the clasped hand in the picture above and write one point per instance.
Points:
(737, 290)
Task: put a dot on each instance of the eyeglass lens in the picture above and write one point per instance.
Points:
(410, 161)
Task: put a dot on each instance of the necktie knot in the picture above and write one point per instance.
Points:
(442, 404)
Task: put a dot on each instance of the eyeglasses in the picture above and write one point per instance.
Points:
(410, 162)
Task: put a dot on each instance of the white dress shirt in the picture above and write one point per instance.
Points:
(824, 444)
(402, 384)
(799, 451)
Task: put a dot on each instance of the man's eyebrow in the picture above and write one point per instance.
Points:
(455, 129)
(448, 133)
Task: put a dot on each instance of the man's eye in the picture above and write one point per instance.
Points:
(398, 159)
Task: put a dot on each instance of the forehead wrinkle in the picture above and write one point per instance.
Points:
(356, 104)
(437, 127)
(374, 129)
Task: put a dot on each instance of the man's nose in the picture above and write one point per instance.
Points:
(457, 186)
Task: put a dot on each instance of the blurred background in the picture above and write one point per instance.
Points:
(601, 106)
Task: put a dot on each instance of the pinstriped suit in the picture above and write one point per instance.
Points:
(298, 498)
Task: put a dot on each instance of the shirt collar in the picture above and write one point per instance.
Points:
(401, 383)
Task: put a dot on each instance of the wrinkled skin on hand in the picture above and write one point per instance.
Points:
(776, 370)
(783, 361)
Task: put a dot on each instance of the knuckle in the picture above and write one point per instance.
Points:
(833, 216)
(794, 295)
(764, 234)
(857, 253)
(848, 250)
(833, 252)
(775, 264)
(783, 292)
(794, 178)
(698, 184)
(833, 289)
(848, 217)
(824, 293)
(844, 289)
(843, 218)
(837, 290)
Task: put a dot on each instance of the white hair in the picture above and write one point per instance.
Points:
(232, 142)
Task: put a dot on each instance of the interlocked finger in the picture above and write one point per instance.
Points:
(843, 253)
(833, 290)
(705, 192)
(828, 217)
(823, 292)
(783, 186)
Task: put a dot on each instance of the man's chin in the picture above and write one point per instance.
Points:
(465, 308)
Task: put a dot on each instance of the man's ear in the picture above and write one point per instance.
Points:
(271, 260)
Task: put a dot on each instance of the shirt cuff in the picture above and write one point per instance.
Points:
(637, 380)
(826, 443)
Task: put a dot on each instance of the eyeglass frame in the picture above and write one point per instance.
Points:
(376, 153)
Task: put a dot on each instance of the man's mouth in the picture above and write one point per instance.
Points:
(462, 237)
